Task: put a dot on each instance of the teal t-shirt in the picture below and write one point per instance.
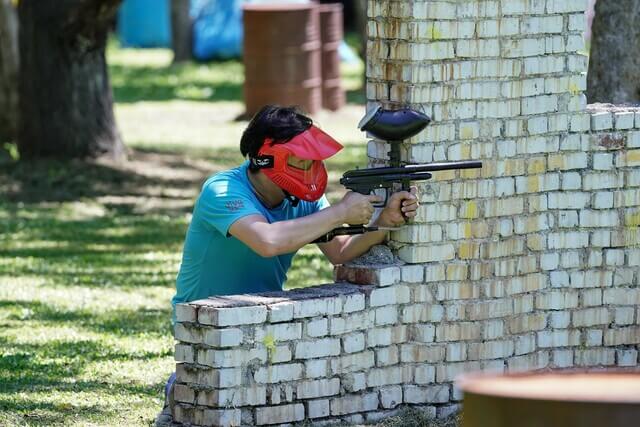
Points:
(216, 263)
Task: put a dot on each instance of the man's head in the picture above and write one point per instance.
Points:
(289, 150)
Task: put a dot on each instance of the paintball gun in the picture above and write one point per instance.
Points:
(350, 231)
(364, 181)
(392, 126)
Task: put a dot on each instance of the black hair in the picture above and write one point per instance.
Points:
(277, 123)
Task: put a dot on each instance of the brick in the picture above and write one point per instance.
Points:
(627, 357)
(354, 322)
(232, 316)
(317, 327)
(491, 350)
(353, 382)
(423, 333)
(353, 343)
(595, 357)
(386, 336)
(489, 309)
(558, 338)
(528, 362)
(527, 323)
(318, 408)
(184, 353)
(622, 336)
(354, 403)
(317, 307)
(183, 393)
(186, 313)
(226, 417)
(390, 397)
(455, 291)
(374, 275)
(279, 332)
(448, 372)
(432, 394)
(420, 313)
(281, 312)
(525, 344)
(223, 398)
(229, 337)
(410, 353)
(318, 388)
(423, 254)
(318, 348)
(316, 368)
(457, 331)
(412, 273)
(378, 377)
(559, 319)
(187, 333)
(393, 295)
(493, 329)
(230, 358)
(591, 316)
(279, 373)
(387, 356)
(280, 414)
(353, 362)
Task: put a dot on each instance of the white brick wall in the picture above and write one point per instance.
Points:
(530, 263)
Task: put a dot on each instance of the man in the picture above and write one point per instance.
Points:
(248, 222)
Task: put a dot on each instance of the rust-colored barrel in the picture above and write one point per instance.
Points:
(554, 399)
(282, 54)
(331, 34)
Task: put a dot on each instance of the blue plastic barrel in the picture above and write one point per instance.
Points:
(145, 23)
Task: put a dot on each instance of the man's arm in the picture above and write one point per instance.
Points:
(283, 237)
(345, 248)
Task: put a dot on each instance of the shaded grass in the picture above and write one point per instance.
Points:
(88, 260)
(89, 250)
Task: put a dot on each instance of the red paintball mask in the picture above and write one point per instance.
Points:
(296, 166)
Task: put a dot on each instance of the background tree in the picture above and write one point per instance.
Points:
(181, 27)
(65, 99)
(8, 71)
(614, 64)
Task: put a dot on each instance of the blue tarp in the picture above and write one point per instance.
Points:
(145, 23)
(217, 29)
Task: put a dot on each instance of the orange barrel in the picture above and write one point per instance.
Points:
(553, 399)
(282, 56)
(331, 34)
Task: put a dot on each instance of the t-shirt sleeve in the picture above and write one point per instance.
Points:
(322, 203)
(222, 203)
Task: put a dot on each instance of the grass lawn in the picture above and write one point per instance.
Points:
(89, 251)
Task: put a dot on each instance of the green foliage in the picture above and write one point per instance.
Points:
(11, 150)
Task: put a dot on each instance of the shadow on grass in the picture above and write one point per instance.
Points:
(23, 412)
(119, 322)
(53, 180)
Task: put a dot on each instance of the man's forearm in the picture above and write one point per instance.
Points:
(289, 236)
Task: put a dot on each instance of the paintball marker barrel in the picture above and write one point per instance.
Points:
(425, 167)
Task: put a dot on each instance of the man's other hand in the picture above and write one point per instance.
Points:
(357, 208)
(401, 207)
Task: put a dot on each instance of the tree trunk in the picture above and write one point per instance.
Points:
(66, 103)
(8, 71)
(614, 62)
(181, 28)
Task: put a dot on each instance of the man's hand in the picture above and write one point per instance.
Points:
(357, 208)
(401, 207)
